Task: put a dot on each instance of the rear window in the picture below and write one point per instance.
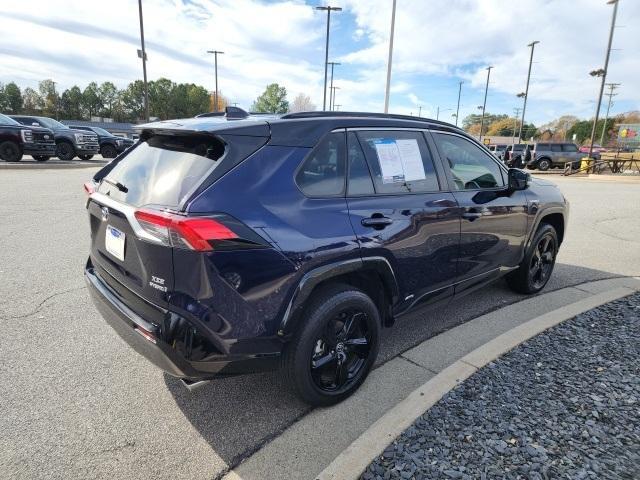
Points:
(542, 146)
(162, 170)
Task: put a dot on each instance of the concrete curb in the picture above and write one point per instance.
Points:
(352, 462)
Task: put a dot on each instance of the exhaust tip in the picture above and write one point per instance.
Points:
(193, 385)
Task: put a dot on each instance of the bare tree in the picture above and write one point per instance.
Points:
(302, 103)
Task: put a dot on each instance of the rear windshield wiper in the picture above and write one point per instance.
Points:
(118, 185)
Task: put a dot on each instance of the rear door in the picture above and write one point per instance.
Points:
(493, 224)
(156, 176)
(570, 152)
(400, 211)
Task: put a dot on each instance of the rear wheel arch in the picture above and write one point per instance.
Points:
(372, 276)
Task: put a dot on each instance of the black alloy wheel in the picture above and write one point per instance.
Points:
(335, 345)
(65, 151)
(10, 152)
(108, 151)
(542, 261)
(341, 351)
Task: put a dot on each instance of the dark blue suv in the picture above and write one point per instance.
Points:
(223, 246)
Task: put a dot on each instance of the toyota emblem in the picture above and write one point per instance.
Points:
(105, 213)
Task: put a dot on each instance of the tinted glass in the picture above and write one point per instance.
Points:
(471, 167)
(323, 171)
(542, 146)
(556, 148)
(4, 120)
(50, 123)
(399, 161)
(569, 147)
(162, 170)
(360, 182)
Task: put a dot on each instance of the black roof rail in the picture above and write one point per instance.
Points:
(321, 114)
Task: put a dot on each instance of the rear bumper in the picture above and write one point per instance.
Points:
(130, 327)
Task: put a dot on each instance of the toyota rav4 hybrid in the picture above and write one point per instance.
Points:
(221, 247)
(17, 140)
(69, 143)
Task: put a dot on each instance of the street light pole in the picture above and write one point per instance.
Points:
(333, 64)
(459, 93)
(612, 87)
(438, 112)
(144, 63)
(420, 110)
(484, 105)
(526, 90)
(332, 95)
(393, 24)
(215, 62)
(604, 73)
(328, 8)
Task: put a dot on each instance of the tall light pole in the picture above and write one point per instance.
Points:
(604, 73)
(612, 87)
(484, 105)
(55, 99)
(333, 96)
(333, 64)
(329, 9)
(393, 26)
(419, 110)
(143, 54)
(337, 107)
(438, 112)
(516, 112)
(526, 90)
(458, 108)
(215, 63)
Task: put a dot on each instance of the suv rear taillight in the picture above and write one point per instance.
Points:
(194, 233)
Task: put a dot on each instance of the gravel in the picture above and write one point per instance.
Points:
(565, 404)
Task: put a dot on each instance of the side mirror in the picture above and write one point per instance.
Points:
(518, 179)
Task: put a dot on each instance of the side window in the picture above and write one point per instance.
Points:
(360, 182)
(556, 147)
(322, 172)
(542, 147)
(400, 161)
(569, 147)
(472, 169)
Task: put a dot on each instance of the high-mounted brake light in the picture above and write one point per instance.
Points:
(195, 233)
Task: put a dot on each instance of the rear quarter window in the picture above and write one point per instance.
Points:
(162, 170)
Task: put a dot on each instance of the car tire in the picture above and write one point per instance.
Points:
(85, 157)
(65, 151)
(41, 158)
(544, 164)
(108, 151)
(10, 151)
(334, 349)
(536, 267)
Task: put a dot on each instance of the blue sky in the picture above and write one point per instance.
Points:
(438, 43)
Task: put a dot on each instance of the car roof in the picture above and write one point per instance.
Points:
(303, 129)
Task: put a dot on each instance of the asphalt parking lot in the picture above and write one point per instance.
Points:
(78, 403)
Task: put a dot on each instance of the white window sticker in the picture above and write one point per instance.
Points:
(390, 161)
(411, 159)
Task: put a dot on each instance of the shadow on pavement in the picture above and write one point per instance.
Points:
(236, 415)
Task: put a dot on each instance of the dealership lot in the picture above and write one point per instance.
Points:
(79, 403)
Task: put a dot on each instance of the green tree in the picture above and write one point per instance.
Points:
(160, 98)
(91, 100)
(475, 118)
(199, 101)
(273, 100)
(71, 103)
(107, 92)
(3, 99)
(12, 98)
(32, 103)
(133, 100)
(504, 127)
(49, 96)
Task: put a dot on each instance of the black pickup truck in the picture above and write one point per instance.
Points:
(110, 144)
(69, 142)
(17, 140)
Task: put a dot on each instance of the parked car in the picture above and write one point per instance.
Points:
(69, 142)
(596, 153)
(554, 155)
(498, 150)
(17, 140)
(110, 144)
(224, 247)
(513, 155)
